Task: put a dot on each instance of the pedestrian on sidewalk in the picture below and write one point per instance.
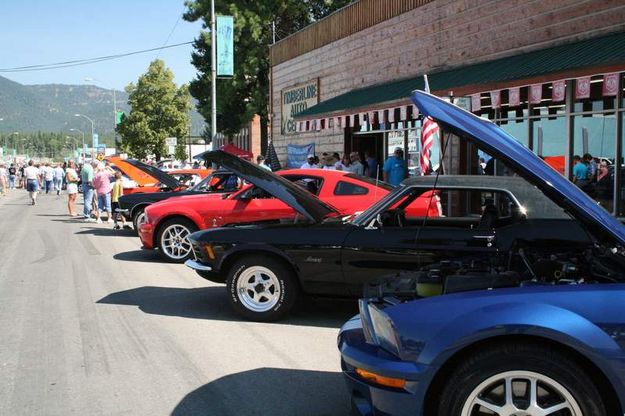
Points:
(12, 176)
(59, 173)
(32, 175)
(102, 185)
(71, 177)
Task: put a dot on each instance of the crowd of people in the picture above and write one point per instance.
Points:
(101, 194)
(394, 169)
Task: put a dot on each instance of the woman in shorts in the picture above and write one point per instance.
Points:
(71, 177)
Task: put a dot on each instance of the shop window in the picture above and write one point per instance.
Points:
(550, 137)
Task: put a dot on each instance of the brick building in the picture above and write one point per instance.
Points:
(348, 77)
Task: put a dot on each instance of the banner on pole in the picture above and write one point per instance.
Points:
(557, 93)
(536, 93)
(514, 97)
(225, 46)
(582, 88)
(296, 154)
(610, 84)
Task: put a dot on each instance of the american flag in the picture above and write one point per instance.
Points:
(429, 130)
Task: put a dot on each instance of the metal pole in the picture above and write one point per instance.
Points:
(115, 119)
(213, 79)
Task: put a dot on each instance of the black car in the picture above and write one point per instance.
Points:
(133, 205)
(496, 227)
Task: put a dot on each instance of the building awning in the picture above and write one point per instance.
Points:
(601, 52)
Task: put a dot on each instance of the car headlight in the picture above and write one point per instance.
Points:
(378, 327)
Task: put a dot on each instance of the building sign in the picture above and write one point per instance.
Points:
(296, 100)
(225, 46)
(395, 139)
(101, 153)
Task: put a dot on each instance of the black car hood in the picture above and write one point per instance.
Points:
(291, 194)
(167, 180)
(500, 145)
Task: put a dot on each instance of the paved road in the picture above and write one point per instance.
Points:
(92, 325)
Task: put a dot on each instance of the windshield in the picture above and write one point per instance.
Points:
(363, 217)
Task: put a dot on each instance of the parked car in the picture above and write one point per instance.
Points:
(168, 223)
(534, 328)
(135, 204)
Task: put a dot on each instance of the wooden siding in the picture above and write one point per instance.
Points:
(345, 22)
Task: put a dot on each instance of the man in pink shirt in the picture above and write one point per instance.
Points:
(102, 186)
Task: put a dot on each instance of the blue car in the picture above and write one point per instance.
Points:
(533, 333)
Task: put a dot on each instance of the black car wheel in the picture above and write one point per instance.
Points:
(520, 380)
(261, 288)
(173, 242)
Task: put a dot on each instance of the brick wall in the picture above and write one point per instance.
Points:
(441, 34)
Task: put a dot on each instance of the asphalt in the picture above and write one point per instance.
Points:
(90, 324)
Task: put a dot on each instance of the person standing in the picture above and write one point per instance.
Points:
(310, 163)
(371, 164)
(580, 173)
(4, 180)
(260, 160)
(117, 190)
(48, 176)
(71, 177)
(12, 176)
(59, 173)
(102, 186)
(86, 177)
(345, 163)
(356, 167)
(32, 177)
(395, 169)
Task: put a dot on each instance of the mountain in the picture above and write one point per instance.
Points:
(51, 108)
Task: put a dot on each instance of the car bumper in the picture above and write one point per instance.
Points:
(146, 234)
(368, 399)
(197, 266)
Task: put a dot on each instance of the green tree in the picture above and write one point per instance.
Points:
(158, 109)
(247, 92)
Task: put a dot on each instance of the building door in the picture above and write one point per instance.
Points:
(372, 143)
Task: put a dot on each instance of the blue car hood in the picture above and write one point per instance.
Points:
(499, 144)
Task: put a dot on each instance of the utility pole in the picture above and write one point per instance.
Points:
(213, 79)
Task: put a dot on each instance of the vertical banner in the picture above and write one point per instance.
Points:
(536, 93)
(476, 104)
(381, 119)
(582, 88)
(610, 84)
(296, 154)
(225, 46)
(514, 97)
(495, 99)
(557, 94)
(403, 112)
(391, 115)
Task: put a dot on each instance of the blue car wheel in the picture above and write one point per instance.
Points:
(520, 379)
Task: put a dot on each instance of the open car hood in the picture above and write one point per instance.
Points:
(500, 145)
(160, 176)
(291, 194)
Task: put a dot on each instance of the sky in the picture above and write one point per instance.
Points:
(34, 32)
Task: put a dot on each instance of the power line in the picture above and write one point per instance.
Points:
(78, 62)
(170, 33)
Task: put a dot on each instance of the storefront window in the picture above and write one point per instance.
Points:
(550, 136)
(517, 129)
(595, 136)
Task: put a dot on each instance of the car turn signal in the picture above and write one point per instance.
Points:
(396, 383)
(209, 251)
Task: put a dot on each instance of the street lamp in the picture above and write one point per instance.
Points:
(82, 150)
(92, 134)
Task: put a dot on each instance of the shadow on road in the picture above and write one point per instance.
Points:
(269, 391)
(145, 256)
(212, 303)
(54, 215)
(106, 230)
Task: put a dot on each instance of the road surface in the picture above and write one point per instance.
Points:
(91, 324)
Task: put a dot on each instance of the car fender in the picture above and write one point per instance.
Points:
(528, 319)
(257, 248)
(189, 214)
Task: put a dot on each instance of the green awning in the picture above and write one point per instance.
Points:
(602, 51)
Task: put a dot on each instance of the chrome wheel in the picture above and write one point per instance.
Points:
(174, 241)
(258, 288)
(139, 220)
(520, 393)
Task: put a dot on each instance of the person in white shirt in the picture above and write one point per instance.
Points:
(32, 177)
(59, 174)
(310, 163)
(356, 167)
(48, 176)
(260, 160)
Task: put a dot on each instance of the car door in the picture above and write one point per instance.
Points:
(252, 206)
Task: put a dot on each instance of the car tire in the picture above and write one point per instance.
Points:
(138, 218)
(172, 242)
(482, 380)
(261, 289)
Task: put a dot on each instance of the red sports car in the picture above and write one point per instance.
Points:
(169, 222)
